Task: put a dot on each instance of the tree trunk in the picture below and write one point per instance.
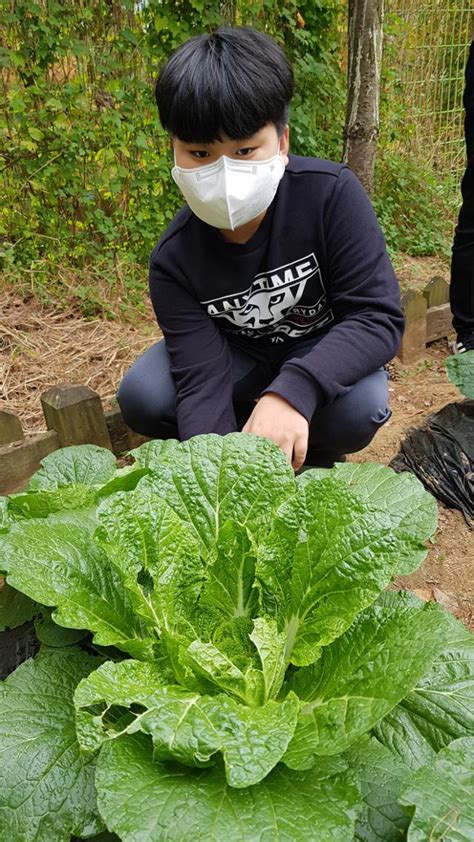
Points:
(363, 98)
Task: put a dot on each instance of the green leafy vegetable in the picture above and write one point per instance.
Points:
(364, 674)
(413, 513)
(439, 709)
(59, 565)
(185, 726)
(46, 784)
(142, 800)
(249, 643)
(15, 608)
(327, 556)
(461, 372)
(86, 465)
(211, 479)
(50, 634)
(442, 793)
(72, 479)
(381, 776)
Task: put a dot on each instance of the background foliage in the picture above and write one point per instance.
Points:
(86, 167)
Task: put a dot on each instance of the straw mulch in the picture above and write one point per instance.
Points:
(42, 347)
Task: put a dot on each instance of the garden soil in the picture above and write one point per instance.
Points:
(41, 347)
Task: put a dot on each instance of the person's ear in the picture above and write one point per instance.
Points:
(285, 145)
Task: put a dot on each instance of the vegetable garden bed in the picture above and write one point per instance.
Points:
(220, 658)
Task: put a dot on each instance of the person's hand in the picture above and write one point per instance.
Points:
(275, 418)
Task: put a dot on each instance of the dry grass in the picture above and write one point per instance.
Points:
(415, 272)
(41, 347)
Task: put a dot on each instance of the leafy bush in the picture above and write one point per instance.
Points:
(249, 679)
(415, 208)
(87, 179)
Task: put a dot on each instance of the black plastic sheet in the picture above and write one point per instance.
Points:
(441, 454)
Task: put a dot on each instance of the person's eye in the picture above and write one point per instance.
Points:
(246, 150)
(199, 153)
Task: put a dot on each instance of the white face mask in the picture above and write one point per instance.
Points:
(229, 193)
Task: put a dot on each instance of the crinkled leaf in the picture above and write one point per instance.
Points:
(15, 608)
(125, 479)
(327, 557)
(222, 672)
(46, 784)
(252, 739)
(442, 793)
(73, 478)
(50, 634)
(154, 453)
(59, 564)
(144, 801)
(5, 517)
(412, 511)
(206, 606)
(461, 372)
(85, 465)
(41, 503)
(116, 685)
(157, 554)
(439, 709)
(211, 479)
(68, 498)
(186, 726)
(364, 674)
(381, 776)
(228, 588)
(171, 585)
(271, 647)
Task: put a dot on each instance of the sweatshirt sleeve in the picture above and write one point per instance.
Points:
(200, 359)
(365, 299)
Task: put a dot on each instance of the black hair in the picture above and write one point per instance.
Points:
(232, 82)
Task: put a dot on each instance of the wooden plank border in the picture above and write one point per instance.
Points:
(74, 415)
(427, 318)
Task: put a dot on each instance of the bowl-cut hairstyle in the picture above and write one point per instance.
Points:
(231, 82)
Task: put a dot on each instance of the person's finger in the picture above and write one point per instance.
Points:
(287, 450)
(247, 428)
(299, 453)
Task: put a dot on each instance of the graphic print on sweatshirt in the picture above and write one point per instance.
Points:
(272, 303)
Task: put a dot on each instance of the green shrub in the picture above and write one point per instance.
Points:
(87, 180)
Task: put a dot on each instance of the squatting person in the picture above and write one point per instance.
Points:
(272, 286)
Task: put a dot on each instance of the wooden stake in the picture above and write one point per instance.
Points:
(10, 428)
(75, 413)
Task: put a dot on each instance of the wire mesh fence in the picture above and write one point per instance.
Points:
(430, 41)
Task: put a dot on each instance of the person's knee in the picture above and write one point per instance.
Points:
(146, 395)
(141, 411)
(361, 427)
(350, 423)
(134, 412)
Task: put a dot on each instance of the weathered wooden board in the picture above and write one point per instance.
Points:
(436, 292)
(438, 322)
(19, 460)
(427, 318)
(413, 344)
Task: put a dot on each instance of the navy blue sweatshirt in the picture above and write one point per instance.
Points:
(316, 266)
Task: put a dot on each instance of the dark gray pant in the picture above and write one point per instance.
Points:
(147, 398)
